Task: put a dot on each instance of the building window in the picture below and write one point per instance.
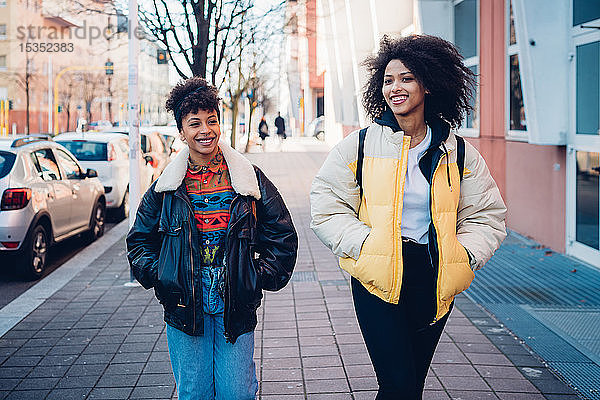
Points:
(2, 31)
(587, 100)
(466, 29)
(517, 108)
(585, 11)
(517, 121)
(512, 35)
(3, 3)
(2, 63)
(587, 199)
(472, 120)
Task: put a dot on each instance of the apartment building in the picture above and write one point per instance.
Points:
(47, 45)
(301, 98)
(537, 113)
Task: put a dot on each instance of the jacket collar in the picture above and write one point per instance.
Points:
(388, 119)
(440, 129)
(241, 171)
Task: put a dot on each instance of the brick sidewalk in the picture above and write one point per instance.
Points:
(95, 338)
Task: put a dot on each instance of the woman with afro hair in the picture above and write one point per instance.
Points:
(210, 234)
(408, 206)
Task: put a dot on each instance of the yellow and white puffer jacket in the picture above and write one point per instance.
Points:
(467, 216)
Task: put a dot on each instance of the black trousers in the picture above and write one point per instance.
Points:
(399, 337)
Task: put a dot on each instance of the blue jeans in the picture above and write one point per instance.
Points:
(207, 367)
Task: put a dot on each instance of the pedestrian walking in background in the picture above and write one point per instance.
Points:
(209, 236)
(280, 125)
(409, 207)
(263, 131)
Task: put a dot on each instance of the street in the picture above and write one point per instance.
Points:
(94, 337)
(12, 285)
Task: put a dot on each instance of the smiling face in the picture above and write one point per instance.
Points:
(201, 132)
(404, 95)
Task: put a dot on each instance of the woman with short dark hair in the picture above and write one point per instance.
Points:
(409, 207)
(209, 236)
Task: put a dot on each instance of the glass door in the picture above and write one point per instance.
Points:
(583, 151)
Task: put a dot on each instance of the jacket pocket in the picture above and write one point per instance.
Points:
(170, 286)
(456, 275)
(373, 264)
(172, 230)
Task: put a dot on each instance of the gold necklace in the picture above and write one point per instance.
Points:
(413, 140)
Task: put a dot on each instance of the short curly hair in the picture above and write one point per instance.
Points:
(190, 96)
(437, 66)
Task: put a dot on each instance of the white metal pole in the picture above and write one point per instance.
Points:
(134, 120)
(50, 99)
(133, 110)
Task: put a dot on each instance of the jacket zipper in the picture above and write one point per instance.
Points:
(191, 264)
(227, 275)
(193, 285)
(437, 280)
(398, 241)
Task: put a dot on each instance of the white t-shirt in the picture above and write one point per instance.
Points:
(415, 209)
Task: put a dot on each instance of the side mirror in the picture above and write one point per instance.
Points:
(91, 173)
(149, 160)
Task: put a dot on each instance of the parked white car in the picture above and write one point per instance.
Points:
(171, 137)
(47, 196)
(107, 153)
(153, 149)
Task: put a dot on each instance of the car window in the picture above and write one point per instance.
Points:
(124, 146)
(6, 162)
(145, 143)
(168, 141)
(45, 164)
(69, 165)
(86, 151)
(157, 143)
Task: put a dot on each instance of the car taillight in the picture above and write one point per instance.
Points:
(112, 154)
(10, 245)
(15, 199)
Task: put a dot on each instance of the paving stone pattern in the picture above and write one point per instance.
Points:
(98, 339)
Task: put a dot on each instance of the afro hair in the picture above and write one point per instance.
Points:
(190, 96)
(437, 66)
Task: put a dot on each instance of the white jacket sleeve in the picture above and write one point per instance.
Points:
(481, 210)
(334, 203)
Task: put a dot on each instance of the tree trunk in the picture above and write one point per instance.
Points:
(27, 103)
(110, 115)
(234, 111)
(68, 111)
(88, 113)
(249, 130)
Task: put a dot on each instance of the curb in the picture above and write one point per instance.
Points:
(19, 308)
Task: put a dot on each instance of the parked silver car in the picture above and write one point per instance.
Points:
(46, 197)
(107, 153)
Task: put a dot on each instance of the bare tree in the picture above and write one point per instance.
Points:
(246, 75)
(25, 80)
(67, 97)
(91, 82)
(198, 31)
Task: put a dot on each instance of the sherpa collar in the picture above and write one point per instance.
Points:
(241, 171)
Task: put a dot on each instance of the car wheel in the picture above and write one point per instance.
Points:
(35, 252)
(97, 223)
(123, 210)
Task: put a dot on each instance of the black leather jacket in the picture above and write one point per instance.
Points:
(260, 253)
